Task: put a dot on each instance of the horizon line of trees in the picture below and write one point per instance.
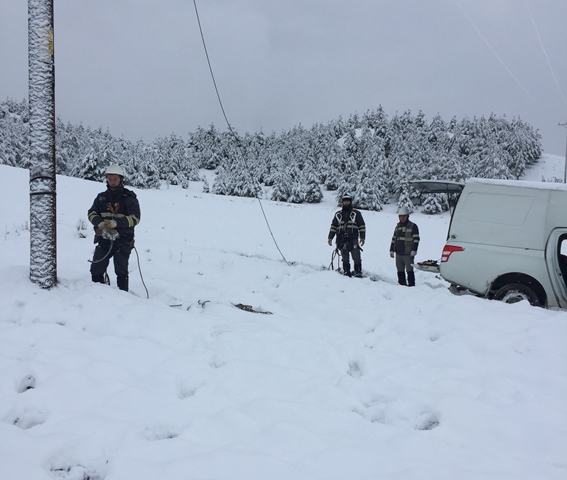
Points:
(373, 156)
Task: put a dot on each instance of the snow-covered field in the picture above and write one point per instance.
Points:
(548, 168)
(343, 379)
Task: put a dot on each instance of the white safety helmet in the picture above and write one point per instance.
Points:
(115, 170)
(403, 211)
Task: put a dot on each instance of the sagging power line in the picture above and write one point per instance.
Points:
(230, 127)
(545, 52)
(485, 40)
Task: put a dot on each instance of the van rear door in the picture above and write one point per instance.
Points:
(438, 186)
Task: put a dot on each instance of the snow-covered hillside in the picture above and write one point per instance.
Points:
(339, 379)
(549, 168)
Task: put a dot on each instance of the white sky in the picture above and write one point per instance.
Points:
(346, 379)
(138, 67)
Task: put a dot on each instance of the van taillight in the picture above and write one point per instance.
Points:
(448, 250)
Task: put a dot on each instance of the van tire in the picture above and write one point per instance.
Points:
(516, 292)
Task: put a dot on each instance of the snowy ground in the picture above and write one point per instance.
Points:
(344, 379)
(549, 168)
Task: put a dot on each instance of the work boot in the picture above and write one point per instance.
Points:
(402, 278)
(411, 279)
(98, 278)
(122, 282)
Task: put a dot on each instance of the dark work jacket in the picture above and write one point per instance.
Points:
(347, 226)
(405, 239)
(119, 204)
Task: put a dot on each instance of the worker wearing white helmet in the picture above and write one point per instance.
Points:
(115, 170)
(405, 242)
(114, 214)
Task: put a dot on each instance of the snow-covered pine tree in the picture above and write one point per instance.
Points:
(89, 167)
(235, 177)
(67, 147)
(141, 170)
(282, 185)
(205, 147)
(377, 121)
(14, 134)
(366, 195)
(206, 188)
(435, 203)
(312, 190)
(404, 199)
(375, 167)
(222, 182)
(297, 192)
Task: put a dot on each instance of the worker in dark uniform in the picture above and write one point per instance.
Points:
(350, 229)
(404, 247)
(114, 214)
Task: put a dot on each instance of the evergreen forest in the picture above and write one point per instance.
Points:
(373, 156)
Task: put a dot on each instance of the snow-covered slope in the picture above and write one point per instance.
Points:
(549, 168)
(343, 379)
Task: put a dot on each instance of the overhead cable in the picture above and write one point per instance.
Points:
(230, 127)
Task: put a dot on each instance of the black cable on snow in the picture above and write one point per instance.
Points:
(140, 270)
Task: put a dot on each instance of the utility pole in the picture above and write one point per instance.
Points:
(41, 84)
(565, 173)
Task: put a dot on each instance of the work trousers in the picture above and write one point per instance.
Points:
(120, 254)
(404, 263)
(356, 258)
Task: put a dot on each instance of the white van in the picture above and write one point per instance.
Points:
(506, 240)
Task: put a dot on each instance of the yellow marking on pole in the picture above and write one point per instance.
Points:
(50, 43)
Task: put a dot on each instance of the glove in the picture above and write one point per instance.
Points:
(107, 224)
(361, 242)
(392, 254)
(330, 242)
(413, 254)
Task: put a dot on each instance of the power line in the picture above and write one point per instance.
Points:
(230, 127)
(494, 52)
(544, 51)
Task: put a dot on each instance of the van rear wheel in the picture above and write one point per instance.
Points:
(517, 292)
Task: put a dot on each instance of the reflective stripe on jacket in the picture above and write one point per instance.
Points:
(120, 205)
(347, 226)
(405, 239)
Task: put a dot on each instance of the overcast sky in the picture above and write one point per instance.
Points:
(138, 67)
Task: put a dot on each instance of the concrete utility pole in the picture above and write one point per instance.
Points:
(41, 81)
(565, 173)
